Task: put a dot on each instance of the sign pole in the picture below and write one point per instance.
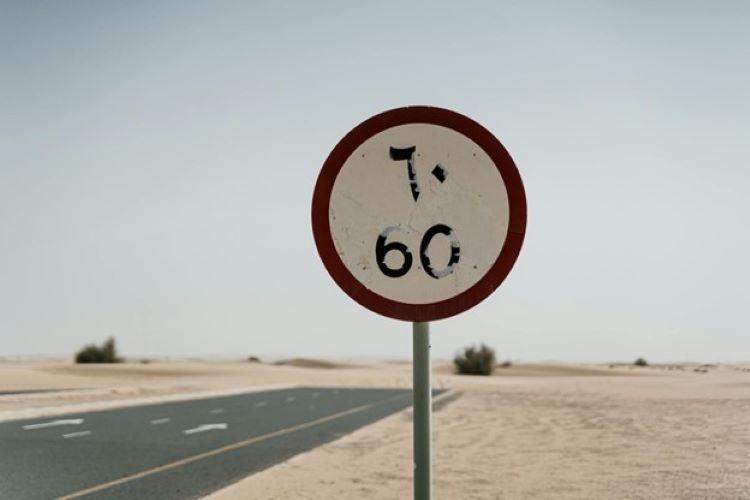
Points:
(422, 411)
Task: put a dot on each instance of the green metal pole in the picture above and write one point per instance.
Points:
(422, 412)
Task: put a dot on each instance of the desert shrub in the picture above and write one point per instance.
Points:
(475, 360)
(253, 359)
(640, 362)
(506, 364)
(92, 353)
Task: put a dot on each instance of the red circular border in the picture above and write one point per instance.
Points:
(469, 297)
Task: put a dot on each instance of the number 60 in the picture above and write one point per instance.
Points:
(382, 248)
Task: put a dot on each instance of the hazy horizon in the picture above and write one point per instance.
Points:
(157, 162)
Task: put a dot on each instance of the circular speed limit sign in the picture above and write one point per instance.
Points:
(419, 213)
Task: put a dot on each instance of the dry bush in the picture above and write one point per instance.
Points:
(92, 353)
(475, 361)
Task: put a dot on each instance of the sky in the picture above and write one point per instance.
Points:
(157, 163)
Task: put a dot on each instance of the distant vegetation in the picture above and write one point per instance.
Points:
(253, 359)
(92, 353)
(475, 361)
(640, 362)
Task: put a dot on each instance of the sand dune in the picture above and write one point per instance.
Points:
(314, 363)
(546, 370)
(138, 371)
(558, 370)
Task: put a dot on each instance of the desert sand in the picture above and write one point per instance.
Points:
(530, 431)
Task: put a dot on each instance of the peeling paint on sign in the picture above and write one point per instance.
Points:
(419, 213)
(376, 202)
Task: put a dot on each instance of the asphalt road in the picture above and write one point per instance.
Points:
(178, 450)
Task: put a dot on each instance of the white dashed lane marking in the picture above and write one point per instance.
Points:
(76, 434)
(217, 411)
(158, 421)
(206, 427)
(54, 423)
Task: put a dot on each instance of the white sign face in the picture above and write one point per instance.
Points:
(418, 213)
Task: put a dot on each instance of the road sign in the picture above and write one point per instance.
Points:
(419, 213)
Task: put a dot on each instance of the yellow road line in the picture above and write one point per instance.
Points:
(223, 449)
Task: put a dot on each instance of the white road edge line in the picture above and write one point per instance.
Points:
(53, 411)
(206, 427)
(158, 421)
(76, 434)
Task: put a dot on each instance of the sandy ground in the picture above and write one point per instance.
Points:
(531, 431)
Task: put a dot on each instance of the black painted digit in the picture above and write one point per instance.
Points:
(400, 154)
(381, 250)
(455, 251)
